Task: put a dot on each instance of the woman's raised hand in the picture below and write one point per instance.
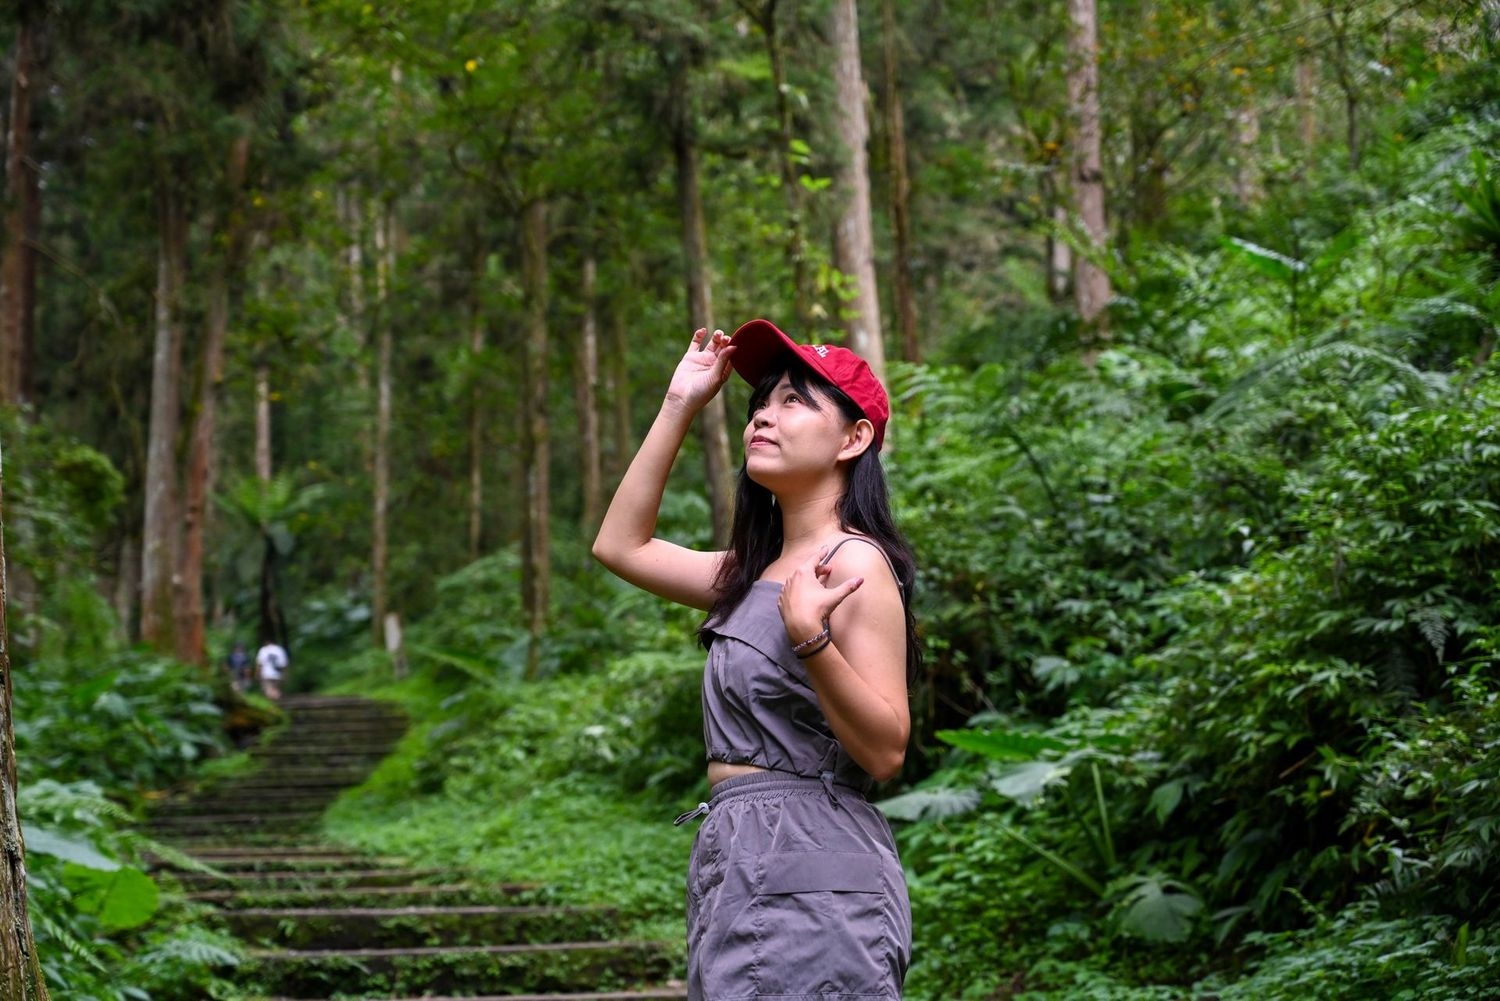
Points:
(702, 371)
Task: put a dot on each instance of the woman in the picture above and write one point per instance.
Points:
(794, 887)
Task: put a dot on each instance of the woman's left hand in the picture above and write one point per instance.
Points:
(805, 602)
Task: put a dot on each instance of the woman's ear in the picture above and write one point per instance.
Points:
(860, 437)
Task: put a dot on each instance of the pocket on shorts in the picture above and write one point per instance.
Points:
(822, 926)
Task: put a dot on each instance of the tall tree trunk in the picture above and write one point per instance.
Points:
(712, 423)
(476, 398)
(895, 130)
(127, 586)
(16, 256)
(854, 240)
(1307, 120)
(619, 368)
(20, 967)
(1247, 189)
(1059, 253)
(160, 535)
(199, 481)
(263, 422)
(1345, 74)
(1090, 282)
(385, 273)
(791, 187)
(586, 373)
(272, 627)
(536, 544)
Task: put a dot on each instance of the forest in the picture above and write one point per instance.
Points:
(334, 325)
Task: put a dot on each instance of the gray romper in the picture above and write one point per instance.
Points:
(794, 889)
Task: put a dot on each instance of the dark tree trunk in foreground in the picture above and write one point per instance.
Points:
(20, 968)
(536, 544)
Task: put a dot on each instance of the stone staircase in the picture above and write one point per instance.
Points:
(323, 921)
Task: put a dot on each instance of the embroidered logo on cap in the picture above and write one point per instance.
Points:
(821, 349)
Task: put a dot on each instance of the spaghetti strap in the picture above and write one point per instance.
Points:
(878, 546)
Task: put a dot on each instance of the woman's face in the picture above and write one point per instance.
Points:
(793, 437)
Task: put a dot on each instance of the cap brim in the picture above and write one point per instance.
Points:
(757, 344)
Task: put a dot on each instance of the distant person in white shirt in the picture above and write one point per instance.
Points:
(270, 661)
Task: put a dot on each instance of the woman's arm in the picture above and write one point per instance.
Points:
(860, 676)
(625, 542)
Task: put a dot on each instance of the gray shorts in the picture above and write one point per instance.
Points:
(795, 891)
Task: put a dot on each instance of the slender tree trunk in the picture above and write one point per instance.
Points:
(619, 367)
(127, 586)
(1090, 282)
(1307, 121)
(385, 273)
(791, 187)
(1247, 189)
(262, 422)
(16, 300)
(1059, 254)
(1345, 74)
(854, 240)
(712, 423)
(536, 561)
(160, 538)
(895, 129)
(198, 485)
(476, 398)
(586, 372)
(20, 967)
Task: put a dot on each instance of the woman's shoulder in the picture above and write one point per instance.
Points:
(845, 561)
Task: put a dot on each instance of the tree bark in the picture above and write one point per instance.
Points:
(791, 188)
(619, 367)
(200, 468)
(476, 398)
(536, 561)
(854, 241)
(1345, 74)
(1247, 189)
(16, 255)
(1090, 282)
(20, 967)
(160, 535)
(586, 373)
(385, 271)
(712, 422)
(895, 130)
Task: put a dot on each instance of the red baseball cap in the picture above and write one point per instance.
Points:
(759, 344)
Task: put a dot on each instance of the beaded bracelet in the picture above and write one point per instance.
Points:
(811, 640)
(816, 649)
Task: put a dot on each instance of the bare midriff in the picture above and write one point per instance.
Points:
(718, 771)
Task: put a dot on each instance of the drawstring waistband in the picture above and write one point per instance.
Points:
(771, 783)
(683, 818)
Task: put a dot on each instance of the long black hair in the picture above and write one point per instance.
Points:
(756, 532)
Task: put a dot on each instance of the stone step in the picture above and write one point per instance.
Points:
(314, 733)
(241, 806)
(552, 966)
(255, 881)
(246, 861)
(218, 821)
(433, 895)
(386, 927)
(320, 752)
(278, 775)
